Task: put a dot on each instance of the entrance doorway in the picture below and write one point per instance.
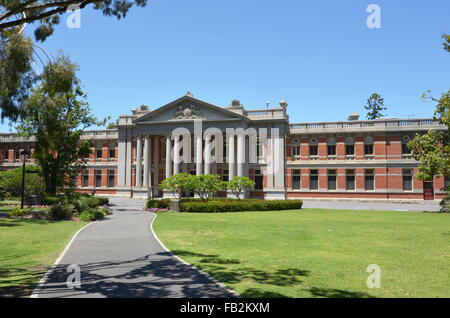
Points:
(428, 190)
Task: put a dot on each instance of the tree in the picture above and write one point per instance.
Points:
(205, 185)
(18, 52)
(16, 74)
(56, 114)
(11, 181)
(15, 13)
(177, 184)
(375, 106)
(237, 185)
(446, 43)
(432, 149)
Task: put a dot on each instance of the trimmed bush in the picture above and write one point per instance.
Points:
(160, 204)
(240, 205)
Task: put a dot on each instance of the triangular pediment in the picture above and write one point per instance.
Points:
(188, 108)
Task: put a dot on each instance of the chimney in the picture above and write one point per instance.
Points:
(353, 116)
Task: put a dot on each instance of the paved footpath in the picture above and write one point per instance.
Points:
(429, 206)
(119, 257)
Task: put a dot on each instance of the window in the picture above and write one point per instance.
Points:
(85, 181)
(6, 155)
(98, 153)
(225, 175)
(111, 178)
(349, 150)
(350, 180)
(331, 150)
(313, 180)
(447, 181)
(17, 154)
(296, 150)
(296, 179)
(259, 148)
(98, 178)
(407, 179)
(368, 150)
(369, 179)
(331, 179)
(405, 149)
(258, 180)
(112, 153)
(313, 150)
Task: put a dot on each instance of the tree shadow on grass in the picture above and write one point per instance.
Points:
(214, 265)
(337, 293)
(19, 282)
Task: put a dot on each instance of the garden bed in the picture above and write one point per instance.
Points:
(195, 205)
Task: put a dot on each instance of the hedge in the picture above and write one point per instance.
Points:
(161, 204)
(240, 205)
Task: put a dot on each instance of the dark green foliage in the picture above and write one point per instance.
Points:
(161, 204)
(18, 212)
(61, 211)
(11, 182)
(48, 13)
(56, 115)
(375, 107)
(93, 214)
(240, 205)
(16, 74)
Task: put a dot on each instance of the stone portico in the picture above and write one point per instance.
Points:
(192, 136)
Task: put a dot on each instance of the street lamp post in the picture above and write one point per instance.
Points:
(25, 153)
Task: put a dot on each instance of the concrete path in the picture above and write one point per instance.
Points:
(119, 257)
(346, 205)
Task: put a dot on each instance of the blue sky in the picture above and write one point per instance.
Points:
(319, 55)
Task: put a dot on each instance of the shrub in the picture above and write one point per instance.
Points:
(11, 181)
(160, 204)
(240, 205)
(61, 211)
(49, 199)
(102, 200)
(18, 212)
(93, 214)
(445, 205)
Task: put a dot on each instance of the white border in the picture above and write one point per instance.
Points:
(41, 283)
(188, 264)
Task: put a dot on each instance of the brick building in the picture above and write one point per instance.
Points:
(352, 159)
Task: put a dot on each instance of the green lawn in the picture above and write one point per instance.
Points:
(27, 249)
(314, 252)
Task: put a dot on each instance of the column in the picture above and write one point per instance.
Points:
(128, 170)
(198, 154)
(176, 155)
(147, 158)
(168, 157)
(240, 155)
(278, 169)
(207, 154)
(231, 157)
(139, 162)
(121, 163)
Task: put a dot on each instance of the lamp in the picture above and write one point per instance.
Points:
(24, 153)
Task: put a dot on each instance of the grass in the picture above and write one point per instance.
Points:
(316, 252)
(27, 249)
